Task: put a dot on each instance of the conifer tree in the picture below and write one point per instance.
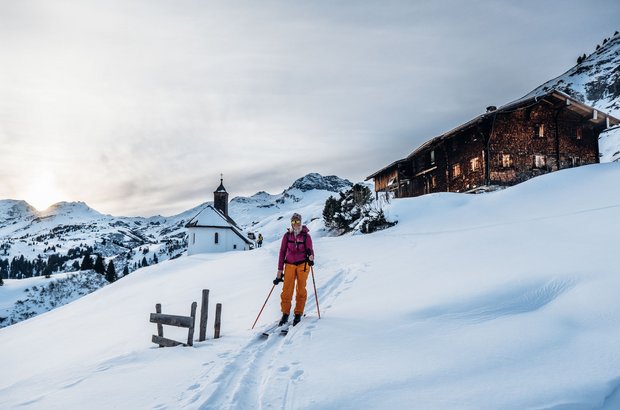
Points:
(126, 270)
(144, 262)
(110, 274)
(99, 265)
(87, 263)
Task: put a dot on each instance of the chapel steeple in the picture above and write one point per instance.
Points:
(220, 197)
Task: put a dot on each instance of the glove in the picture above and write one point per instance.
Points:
(278, 280)
(308, 255)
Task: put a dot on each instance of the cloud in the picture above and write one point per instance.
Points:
(137, 107)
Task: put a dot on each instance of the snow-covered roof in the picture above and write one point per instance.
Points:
(210, 217)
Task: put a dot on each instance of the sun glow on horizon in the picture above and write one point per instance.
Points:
(43, 192)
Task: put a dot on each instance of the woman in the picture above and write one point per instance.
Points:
(296, 257)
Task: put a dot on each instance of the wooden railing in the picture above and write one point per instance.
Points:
(186, 322)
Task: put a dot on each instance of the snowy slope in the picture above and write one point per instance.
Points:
(499, 301)
(595, 80)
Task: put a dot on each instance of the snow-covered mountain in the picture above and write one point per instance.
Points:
(507, 300)
(12, 211)
(595, 80)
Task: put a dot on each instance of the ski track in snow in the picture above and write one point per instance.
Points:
(242, 381)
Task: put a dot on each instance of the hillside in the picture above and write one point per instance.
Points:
(595, 81)
(505, 300)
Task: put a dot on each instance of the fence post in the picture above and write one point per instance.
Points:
(160, 327)
(190, 334)
(204, 315)
(218, 316)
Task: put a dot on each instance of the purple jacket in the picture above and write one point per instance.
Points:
(292, 249)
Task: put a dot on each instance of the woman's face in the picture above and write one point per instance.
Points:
(296, 225)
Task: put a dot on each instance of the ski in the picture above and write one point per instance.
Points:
(270, 330)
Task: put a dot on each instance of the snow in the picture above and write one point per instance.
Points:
(21, 299)
(609, 145)
(503, 300)
(13, 289)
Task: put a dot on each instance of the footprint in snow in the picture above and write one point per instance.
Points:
(297, 375)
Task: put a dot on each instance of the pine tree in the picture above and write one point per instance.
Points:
(87, 263)
(332, 207)
(126, 271)
(99, 265)
(110, 274)
(144, 262)
(155, 260)
(4, 269)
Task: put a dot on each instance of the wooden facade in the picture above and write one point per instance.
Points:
(505, 146)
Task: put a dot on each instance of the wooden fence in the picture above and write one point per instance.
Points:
(186, 322)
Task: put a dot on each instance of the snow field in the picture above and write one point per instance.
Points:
(504, 300)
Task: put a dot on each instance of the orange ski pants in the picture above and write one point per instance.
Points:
(294, 274)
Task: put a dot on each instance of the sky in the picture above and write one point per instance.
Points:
(136, 108)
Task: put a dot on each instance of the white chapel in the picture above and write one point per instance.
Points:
(212, 230)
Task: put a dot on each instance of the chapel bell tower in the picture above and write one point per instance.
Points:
(220, 197)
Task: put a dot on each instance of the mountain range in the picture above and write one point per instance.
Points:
(75, 226)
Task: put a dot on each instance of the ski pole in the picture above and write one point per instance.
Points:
(315, 294)
(264, 304)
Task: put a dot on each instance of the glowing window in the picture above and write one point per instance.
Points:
(456, 170)
(475, 164)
